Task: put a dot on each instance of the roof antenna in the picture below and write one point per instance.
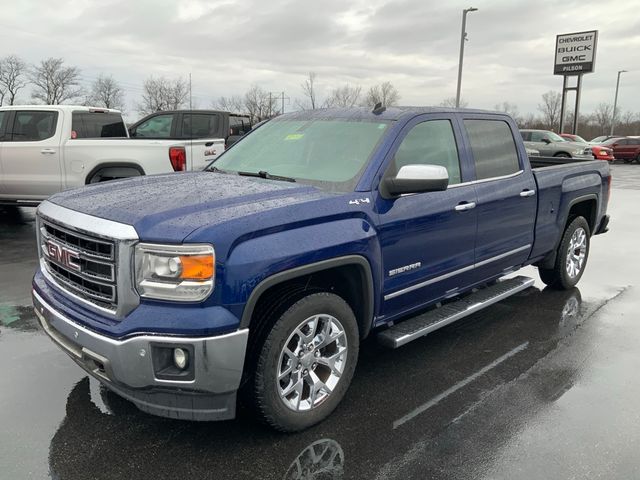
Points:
(378, 109)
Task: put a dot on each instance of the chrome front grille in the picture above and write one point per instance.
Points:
(82, 264)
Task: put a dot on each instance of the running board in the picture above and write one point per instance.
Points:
(419, 326)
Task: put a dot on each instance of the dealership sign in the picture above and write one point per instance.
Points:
(575, 53)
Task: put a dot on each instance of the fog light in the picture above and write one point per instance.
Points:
(180, 358)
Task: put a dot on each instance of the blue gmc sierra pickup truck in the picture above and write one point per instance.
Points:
(261, 275)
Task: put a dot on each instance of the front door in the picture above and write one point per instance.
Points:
(427, 243)
(31, 155)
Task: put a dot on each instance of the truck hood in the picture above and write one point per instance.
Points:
(169, 207)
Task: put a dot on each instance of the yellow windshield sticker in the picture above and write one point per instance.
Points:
(294, 136)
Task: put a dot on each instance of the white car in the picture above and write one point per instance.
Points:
(45, 149)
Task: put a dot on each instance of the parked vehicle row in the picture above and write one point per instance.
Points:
(550, 144)
(47, 149)
(264, 273)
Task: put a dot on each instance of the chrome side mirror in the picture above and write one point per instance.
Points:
(416, 179)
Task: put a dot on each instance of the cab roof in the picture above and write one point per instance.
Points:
(365, 113)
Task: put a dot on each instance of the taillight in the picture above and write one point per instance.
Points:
(178, 158)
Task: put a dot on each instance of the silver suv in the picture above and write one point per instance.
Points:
(550, 144)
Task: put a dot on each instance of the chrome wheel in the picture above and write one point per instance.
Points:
(312, 362)
(577, 252)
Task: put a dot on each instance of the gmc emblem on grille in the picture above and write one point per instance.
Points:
(62, 255)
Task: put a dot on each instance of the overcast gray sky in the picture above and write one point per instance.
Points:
(230, 45)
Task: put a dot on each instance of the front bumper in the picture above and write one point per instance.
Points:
(126, 366)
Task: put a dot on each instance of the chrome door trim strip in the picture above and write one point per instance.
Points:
(454, 273)
(484, 180)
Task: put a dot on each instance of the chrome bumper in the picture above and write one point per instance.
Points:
(126, 366)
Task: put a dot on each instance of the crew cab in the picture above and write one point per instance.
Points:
(263, 274)
(45, 149)
(204, 134)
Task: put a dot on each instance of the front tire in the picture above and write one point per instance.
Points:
(306, 362)
(572, 256)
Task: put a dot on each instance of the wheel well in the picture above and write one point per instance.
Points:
(586, 209)
(562, 154)
(352, 282)
(114, 170)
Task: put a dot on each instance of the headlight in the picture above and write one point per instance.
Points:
(175, 272)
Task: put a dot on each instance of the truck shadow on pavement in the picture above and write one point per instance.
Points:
(385, 415)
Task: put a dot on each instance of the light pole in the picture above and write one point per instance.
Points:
(463, 37)
(615, 102)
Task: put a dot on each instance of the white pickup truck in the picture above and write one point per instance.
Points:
(45, 149)
(204, 133)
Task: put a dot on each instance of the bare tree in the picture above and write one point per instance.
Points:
(309, 91)
(550, 109)
(54, 83)
(105, 92)
(384, 93)
(259, 104)
(602, 117)
(233, 104)
(163, 94)
(345, 96)
(450, 102)
(510, 109)
(12, 77)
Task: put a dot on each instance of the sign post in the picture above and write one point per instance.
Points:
(575, 55)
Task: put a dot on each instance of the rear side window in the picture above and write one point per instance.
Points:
(526, 136)
(238, 125)
(430, 143)
(493, 148)
(199, 125)
(156, 127)
(3, 115)
(33, 126)
(97, 125)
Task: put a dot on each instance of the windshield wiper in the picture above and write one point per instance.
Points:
(216, 169)
(267, 175)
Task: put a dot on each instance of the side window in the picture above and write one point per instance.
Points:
(33, 126)
(238, 125)
(537, 136)
(156, 127)
(199, 125)
(97, 125)
(526, 136)
(493, 147)
(430, 143)
(3, 115)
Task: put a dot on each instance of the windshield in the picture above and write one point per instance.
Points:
(554, 137)
(330, 154)
(579, 139)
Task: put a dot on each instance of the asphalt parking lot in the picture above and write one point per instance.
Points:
(542, 385)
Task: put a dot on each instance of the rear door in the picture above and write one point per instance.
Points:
(427, 243)
(202, 132)
(31, 154)
(506, 191)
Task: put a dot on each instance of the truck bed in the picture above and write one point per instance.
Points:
(543, 162)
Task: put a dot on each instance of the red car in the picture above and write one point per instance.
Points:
(600, 152)
(627, 148)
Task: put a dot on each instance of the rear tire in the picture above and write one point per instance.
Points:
(572, 256)
(306, 362)
(562, 155)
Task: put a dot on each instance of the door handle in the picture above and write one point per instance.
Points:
(208, 144)
(464, 206)
(47, 151)
(527, 193)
